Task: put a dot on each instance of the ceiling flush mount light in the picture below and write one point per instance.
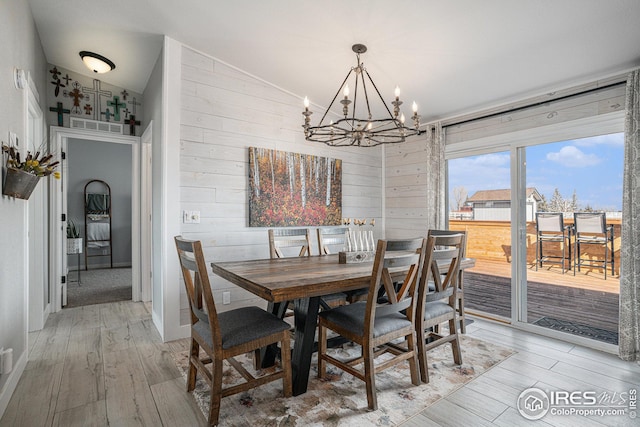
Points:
(96, 63)
(361, 131)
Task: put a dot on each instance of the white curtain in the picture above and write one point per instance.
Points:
(629, 329)
(436, 178)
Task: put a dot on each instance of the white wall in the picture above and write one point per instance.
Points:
(153, 95)
(224, 111)
(20, 47)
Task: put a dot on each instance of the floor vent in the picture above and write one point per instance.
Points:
(79, 123)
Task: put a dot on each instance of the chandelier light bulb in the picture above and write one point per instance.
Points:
(402, 118)
(306, 102)
(346, 91)
(414, 107)
(397, 92)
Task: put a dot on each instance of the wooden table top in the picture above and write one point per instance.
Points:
(285, 279)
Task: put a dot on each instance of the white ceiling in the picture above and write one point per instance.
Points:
(449, 56)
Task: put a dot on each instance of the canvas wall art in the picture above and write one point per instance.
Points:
(292, 189)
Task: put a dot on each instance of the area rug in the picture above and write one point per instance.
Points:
(99, 286)
(341, 399)
(575, 328)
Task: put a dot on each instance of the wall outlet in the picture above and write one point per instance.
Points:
(226, 297)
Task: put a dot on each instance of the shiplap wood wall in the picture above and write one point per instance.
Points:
(405, 189)
(224, 112)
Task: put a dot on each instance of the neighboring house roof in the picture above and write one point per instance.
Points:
(500, 195)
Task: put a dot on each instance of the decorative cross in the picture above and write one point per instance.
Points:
(61, 112)
(77, 96)
(124, 94)
(97, 96)
(106, 114)
(87, 109)
(116, 104)
(126, 113)
(58, 84)
(134, 103)
(55, 73)
(132, 125)
(66, 78)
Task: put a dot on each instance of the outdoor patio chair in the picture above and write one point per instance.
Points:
(550, 229)
(591, 229)
(439, 305)
(376, 326)
(226, 335)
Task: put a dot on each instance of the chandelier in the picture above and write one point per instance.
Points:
(361, 131)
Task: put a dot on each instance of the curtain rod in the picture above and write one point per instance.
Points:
(536, 104)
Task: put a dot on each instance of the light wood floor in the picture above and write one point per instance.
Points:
(105, 365)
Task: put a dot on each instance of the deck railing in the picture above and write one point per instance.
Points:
(491, 240)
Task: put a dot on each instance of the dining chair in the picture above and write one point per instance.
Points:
(550, 228)
(222, 336)
(376, 324)
(332, 237)
(591, 228)
(439, 305)
(460, 281)
(286, 241)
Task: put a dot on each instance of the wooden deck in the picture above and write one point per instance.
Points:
(585, 299)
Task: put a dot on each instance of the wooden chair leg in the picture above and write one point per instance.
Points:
(322, 349)
(370, 377)
(193, 370)
(285, 359)
(461, 317)
(413, 361)
(216, 392)
(422, 356)
(455, 344)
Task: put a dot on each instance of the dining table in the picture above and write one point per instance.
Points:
(303, 281)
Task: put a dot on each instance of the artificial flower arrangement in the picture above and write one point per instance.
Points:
(23, 175)
(32, 164)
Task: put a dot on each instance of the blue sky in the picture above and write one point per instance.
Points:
(591, 166)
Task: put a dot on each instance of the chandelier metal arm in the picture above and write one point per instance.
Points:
(380, 95)
(335, 97)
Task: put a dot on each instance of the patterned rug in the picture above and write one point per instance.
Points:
(341, 399)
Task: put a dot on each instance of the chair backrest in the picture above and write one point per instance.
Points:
(433, 232)
(590, 222)
(442, 251)
(196, 281)
(549, 222)
(281, 238)
(334, 236)
(404, 257)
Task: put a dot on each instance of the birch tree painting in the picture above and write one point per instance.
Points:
(291, 189)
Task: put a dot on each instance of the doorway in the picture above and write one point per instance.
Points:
(99, 201)
(60, 140)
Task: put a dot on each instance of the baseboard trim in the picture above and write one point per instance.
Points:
(11, 384)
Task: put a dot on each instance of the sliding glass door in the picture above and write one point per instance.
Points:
(496, 197)
(569, 291)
